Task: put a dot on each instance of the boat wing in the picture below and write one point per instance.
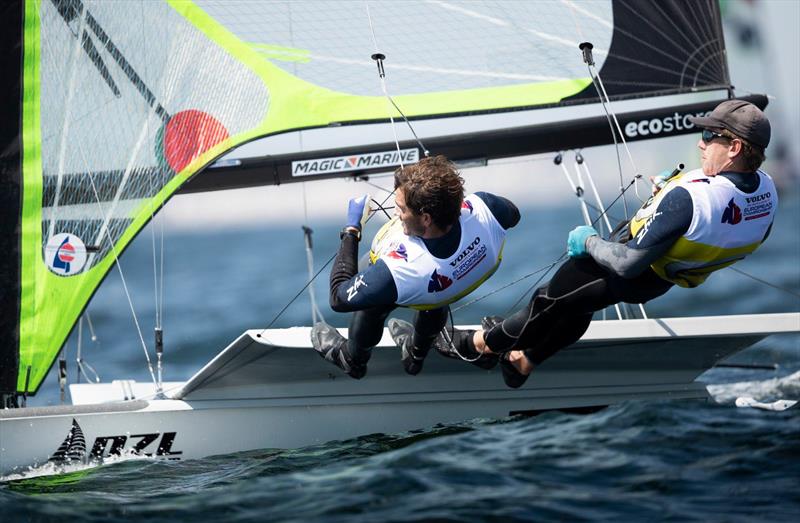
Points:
(614, 360)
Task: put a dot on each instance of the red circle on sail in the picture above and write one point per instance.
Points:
(188, 134)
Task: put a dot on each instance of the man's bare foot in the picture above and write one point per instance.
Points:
(520, 362)
(480, 343)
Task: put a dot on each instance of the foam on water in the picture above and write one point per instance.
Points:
(51, 468)
(786, 387)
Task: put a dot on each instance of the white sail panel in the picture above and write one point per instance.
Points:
(129, 86)
(429, 45)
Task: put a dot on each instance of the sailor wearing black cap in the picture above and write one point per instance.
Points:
(695, 223)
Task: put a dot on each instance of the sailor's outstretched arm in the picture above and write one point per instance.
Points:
(352, 290)
(669, 221)
(621, 259)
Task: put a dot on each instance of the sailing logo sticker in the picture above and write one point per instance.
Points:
(438, 282)
(342, 164)
(732, 214)
(73, 448)
(65, 254)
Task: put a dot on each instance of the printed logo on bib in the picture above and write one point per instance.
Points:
(400, 253)
(732, 214)
(65, 254)
(469, 258)
(757, 206)
(438, 282)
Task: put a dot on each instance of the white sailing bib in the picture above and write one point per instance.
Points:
(727, 225)
(426, 282)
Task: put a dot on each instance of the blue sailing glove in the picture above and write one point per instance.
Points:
(576, 243)
(357, 211)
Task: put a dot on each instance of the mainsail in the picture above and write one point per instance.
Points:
(115, 106)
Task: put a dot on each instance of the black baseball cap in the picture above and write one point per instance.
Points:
(739, 117)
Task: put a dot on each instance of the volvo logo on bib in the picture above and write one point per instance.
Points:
(469, 258)
(758, 206)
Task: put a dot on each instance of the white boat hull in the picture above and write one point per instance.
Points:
(273, 392)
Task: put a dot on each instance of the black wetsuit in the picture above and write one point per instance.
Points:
(372, 294)
(617, 271)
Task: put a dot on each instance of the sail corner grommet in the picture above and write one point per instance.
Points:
(379, 58)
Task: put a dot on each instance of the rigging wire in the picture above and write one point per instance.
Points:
(119, 269)
(546, 268)
(378, 57)
(307, 232)
(83, 366)
(768, 284)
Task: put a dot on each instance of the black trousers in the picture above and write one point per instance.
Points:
(366, 329)
(560, 312)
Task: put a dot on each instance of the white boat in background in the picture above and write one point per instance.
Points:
(110, 118)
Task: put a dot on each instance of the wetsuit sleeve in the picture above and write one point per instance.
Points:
(670, 221)
(352, 290)
(505, 212)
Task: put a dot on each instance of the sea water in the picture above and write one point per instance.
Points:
(642, 460)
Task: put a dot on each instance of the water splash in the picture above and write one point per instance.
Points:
(786, 387)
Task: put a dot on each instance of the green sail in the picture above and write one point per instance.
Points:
(123, 102)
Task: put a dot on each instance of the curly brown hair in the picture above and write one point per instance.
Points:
(434, 186)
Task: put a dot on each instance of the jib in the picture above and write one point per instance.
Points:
(465, 252)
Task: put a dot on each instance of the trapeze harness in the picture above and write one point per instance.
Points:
(727, 225)
(425, 282)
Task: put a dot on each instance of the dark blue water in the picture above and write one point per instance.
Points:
(667, 460)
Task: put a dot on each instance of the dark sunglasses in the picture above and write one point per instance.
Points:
(708, 136)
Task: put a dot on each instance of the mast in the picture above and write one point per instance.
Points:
(11, 49)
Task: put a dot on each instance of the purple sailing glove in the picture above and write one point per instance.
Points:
(576, 243)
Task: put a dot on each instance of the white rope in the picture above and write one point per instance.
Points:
(607, 222)
(597, 198)
(389, 102)
(578, 192)
(315, 311)
(119, 268)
